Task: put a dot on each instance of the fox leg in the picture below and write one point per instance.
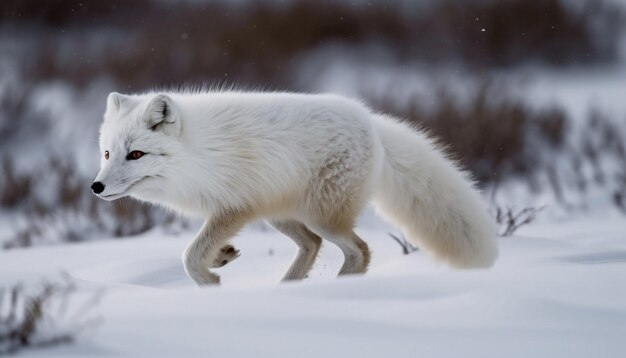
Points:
(355, 251)
(226, 254)
(205, 248)
(356, 254)
(308, 247)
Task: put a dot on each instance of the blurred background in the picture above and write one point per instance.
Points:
(530, 96)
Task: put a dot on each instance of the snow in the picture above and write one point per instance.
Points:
(558, 290)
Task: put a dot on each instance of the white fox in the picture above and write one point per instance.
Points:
(308, 164)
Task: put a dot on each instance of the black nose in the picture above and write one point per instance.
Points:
(97, 187)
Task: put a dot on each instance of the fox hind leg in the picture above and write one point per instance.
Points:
(355, 251)
(308, 247)
(337, 226)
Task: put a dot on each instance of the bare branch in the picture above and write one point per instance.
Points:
(407, 247)
(510, 220)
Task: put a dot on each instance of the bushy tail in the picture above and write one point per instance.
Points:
(432, 201)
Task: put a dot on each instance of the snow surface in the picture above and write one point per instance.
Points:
(558, 290)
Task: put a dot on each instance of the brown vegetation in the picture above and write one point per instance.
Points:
(152, 43)
(27, 318)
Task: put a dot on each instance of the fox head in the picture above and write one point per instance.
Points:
(139, 136)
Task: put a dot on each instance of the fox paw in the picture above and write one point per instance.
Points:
(226, 254)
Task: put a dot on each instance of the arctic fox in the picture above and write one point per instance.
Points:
(308, 164)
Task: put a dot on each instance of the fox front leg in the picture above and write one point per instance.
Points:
(205, 249)
(226, 255)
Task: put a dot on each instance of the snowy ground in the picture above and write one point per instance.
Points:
(558, 290)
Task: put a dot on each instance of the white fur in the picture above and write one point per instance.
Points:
(306, 163)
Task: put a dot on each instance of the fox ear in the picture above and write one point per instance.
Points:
(161, 115)
(115, 101)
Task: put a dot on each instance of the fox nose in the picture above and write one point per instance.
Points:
(97, 187)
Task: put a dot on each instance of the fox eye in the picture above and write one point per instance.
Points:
(134, 155)
(106, 154)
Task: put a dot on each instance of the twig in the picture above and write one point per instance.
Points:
(407, 247)
(510, 220)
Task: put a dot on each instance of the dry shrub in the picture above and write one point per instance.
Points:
(601, 146)
(14, 187)
(510, 220)
(41, 317)
(101, 220)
